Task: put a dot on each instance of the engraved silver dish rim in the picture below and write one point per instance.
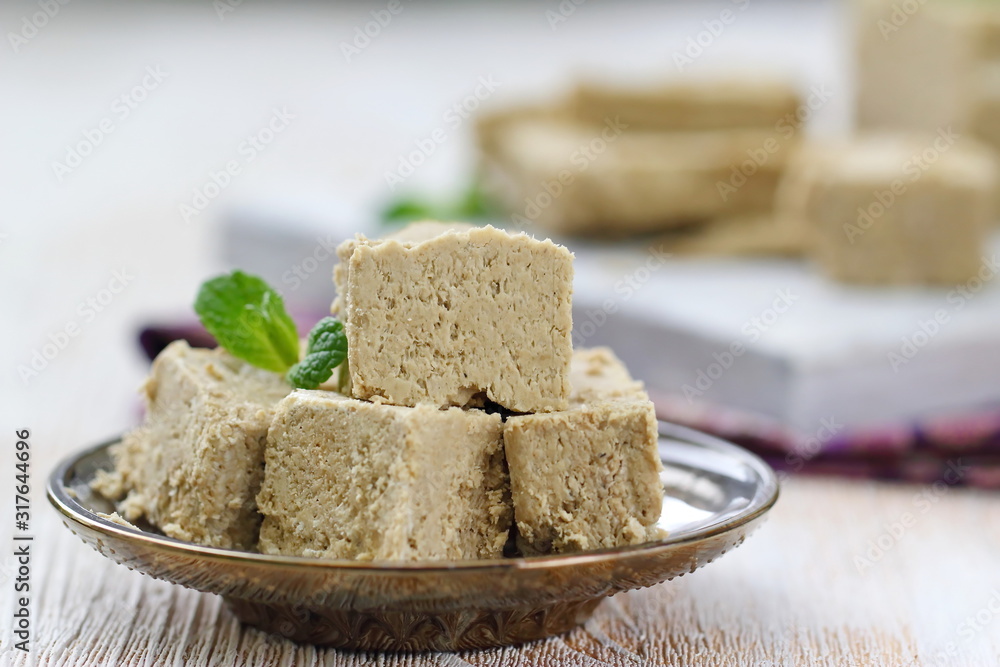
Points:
(61, 497)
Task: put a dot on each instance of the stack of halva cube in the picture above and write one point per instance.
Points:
(462, 419)
(609, 160)
(725, 168)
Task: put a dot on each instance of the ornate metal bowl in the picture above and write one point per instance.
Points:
(715, 495)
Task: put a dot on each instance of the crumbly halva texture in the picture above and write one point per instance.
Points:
(611, 180)
(612, 160)
(741, 235)
(941, 71)
(415, 232)
(195, 465)
(588, 477)
(881, 213)
(450, 316)
(689, 105)
(115, 517)
(352, 479)
(948, 49)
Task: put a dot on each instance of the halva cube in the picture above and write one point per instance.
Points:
(611, 180)
(613, 160)
(740, 235)
(351, 479)
(920, 70)
(923, 70)
(691, 104)
(587, 477)
(195, 465)
(894, 209)
(985, 112)
(463, 315)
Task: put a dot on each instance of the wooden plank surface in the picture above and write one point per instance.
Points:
(793, 594)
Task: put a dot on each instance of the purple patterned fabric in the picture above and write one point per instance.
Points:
(957, 449)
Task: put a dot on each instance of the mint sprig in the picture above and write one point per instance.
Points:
(472, 204)
(248, 318)
(326, 350)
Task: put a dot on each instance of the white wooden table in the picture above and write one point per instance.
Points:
(795, 593)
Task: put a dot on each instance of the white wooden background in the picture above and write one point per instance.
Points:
(794, 594)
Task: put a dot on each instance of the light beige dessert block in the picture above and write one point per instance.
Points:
(588, 477)
(490, 123)
(913, 68)
(613, 180)
(610, 160)
(928, 65)
(760, 235)
(689, 104)
(195, 465)
(985, 111)
(464, 315)
(350, 479)
(896, 210)
(949, 47)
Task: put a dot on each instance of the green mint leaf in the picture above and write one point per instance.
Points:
(408, 209)
(475, 204)
(326, 350)
(248, 319)
(472, 204)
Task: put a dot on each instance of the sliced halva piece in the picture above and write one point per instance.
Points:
(587, 477)
(367, 481)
